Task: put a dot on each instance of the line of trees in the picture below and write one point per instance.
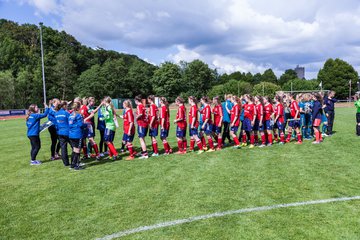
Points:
(73, 69)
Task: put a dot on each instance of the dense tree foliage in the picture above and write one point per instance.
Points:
(73, 69)
(336, 75)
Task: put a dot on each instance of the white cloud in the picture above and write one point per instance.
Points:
(229, 34)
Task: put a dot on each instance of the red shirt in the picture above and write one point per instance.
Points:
(84, 110)
(235, 113)
(142, 121)
(165, 114)
(294, 107)
(259, 111)
(206, 114)
(249, 111)
(218, 113)
(153, 114)
(129, 118)
(181, 115)
(193, 114)
(279, 111)
(268, 110)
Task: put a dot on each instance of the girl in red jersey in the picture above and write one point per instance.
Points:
(165, 124)
(279, 119)
(194, 125)
(180, 121)
(142, 123)
(235, 119)
(153, 124)
(294, 123)
(259, 122)
(129, 128)
(206, 127)
(268, 115)
(249, 120)
(218, 121)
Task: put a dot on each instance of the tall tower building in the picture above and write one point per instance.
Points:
(300, 72)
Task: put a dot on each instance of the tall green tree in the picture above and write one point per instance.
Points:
(287, 76)
(167, 81)
(336, 75)
(198, 78)
(301, 85)
(7, 90)
(266, 89)
(231, 87)
(269, 76)
(65, 76)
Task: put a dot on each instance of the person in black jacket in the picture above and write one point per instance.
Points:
(330, 111)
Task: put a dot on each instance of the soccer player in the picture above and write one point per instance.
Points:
(165, 124)
(55, 144)
(76, 124)
(316, 117)
(249, 120)
(33, 128)
(101, 127)
(180, 121)
(142, 122)
(85, 112)
(110, 127)
(153, 124)
(226, 107)
(279, 119)
(235, 119)
(259, 122)
(218, 121)
(268, 122)
(206, 127)
(193, 125)
(330, 101)
(62, 129)
(129, 128)
(357, 105)
(294, 123)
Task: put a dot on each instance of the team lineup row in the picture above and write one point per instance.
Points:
(212, 120)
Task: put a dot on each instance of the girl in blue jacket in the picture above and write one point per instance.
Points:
(76, 126)
(33, 128)
(62, 130)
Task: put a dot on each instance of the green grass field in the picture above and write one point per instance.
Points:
(51, 202)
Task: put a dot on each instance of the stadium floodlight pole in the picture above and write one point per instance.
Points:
(350, 90)
(42, 62)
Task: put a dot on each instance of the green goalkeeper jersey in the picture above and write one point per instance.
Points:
(357, 105)
(109, 118)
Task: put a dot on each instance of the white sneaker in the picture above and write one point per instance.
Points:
(102, 155)
(144, 157)
(155, 155)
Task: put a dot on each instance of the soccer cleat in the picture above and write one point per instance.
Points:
(155, 155)
(244, 144)
(218, 148)
(78, 168)
(269, 145)
(102, 154)
(298, 142)
(205, 148)
(98, 157)
(170, 151)
(200, 151)
(93, 155)
(237, 146)
(130, 158)
(166, 154)
(287, 140)
(251, 146)
(35, 162)
(144, 157)
(315, 142)
(281, 143)
(211, 150)
(262, 145)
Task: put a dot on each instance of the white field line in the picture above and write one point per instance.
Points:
(221, 214)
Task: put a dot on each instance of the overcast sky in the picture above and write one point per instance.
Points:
(229, 35)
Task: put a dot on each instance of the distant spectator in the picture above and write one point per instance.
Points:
(330, 111)
(357, 105)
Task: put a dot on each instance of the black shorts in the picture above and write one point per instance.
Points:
(75, 143)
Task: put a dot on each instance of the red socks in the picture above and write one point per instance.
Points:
(270, 138)
(211, 143)
(219, 141)
(112, 150)
(185, 145)
(95, 146)
(236, 140)
(131, 149)
(252, 139)
(180, 145)
(282, 137)
(244, 138)
(199, 144)
(263, 139)
(192, 144)
(203, 141)
(299, 137)
(155, 147)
